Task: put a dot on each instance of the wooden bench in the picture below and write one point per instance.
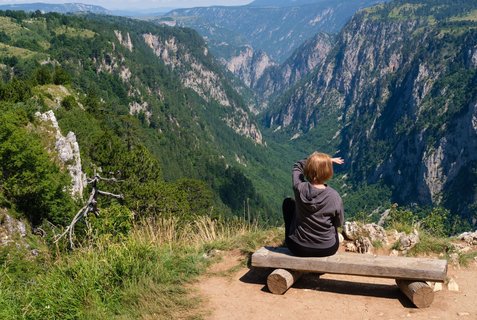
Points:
(410, 273)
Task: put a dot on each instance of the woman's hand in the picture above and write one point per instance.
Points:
(337, 160)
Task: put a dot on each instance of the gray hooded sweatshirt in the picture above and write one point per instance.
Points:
(318, 212)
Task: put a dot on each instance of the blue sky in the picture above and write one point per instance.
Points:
(140, 4)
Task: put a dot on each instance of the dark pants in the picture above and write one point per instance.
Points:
(289, 216)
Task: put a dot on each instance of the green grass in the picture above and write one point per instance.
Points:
(405, 11)
(142, 277)
(51, 94)
(466, 258)
(6, 50)
(74, 32)
(430, 244)
(10, 27)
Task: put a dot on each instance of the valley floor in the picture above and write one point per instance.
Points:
(233, 291)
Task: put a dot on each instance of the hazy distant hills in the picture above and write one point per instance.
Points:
(289, 3)
(276, 27)
(60, 8)
(82, 8)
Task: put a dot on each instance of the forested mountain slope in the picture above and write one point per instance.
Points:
(397, 96)
(147, 104)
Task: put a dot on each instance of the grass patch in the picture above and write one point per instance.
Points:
(6, 50)
(51, 94)
(466, 258)
(10, 27)
(74, 32)
(406, 11)
(143, 276)
(430, 244)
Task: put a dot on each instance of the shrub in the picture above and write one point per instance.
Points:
(114, 222)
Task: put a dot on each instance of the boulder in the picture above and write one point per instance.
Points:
(408, 241)
(469, 237)
(353, 231)
(11, 229)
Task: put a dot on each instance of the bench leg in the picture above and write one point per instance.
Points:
(280, 280)
(417, 291)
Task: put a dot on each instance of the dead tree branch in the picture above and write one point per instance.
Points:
(90, 206)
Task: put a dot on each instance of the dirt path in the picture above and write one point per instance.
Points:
(242, 294)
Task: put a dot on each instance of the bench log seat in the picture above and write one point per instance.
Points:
(410, 273)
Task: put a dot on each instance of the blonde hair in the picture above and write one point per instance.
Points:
(318, 167)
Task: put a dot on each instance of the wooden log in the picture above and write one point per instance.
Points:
(417, 291)
(425, 269)
(280, 280)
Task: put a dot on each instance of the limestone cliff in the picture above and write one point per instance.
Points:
(399, 90)
(68, 152)
(199, 72)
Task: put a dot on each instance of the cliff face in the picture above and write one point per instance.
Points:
(399, 89)
(276, 79)
(249, 65)
(198, 72)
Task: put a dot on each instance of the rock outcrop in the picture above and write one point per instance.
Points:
(68, 152)
(11, 230)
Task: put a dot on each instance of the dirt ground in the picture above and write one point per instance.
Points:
(233, 291)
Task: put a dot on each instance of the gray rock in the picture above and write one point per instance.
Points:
(452, 285)
(407, 242)
(68, 153)
(11, 229)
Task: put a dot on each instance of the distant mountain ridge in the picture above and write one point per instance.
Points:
(60, 8)
(275, 27)
(287, 3)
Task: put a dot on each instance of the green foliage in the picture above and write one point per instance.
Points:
(69, 102)
(140, 276)
(61, 76)
(114, 223)
(15, 91)
(364, 201)
(435, 222)
(98, 284)
(401, 220)
(29, 180)
(430, 243)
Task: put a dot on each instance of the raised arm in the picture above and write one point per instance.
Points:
(298, 175)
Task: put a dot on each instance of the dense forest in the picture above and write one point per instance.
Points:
(175, 156)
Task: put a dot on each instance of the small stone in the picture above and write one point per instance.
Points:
(463, 314)
(454, 259)
(452, 285)
(340, 237)
(437, 287)
(351, 247)
(394, 253)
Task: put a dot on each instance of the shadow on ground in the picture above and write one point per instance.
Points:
(315, 282)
